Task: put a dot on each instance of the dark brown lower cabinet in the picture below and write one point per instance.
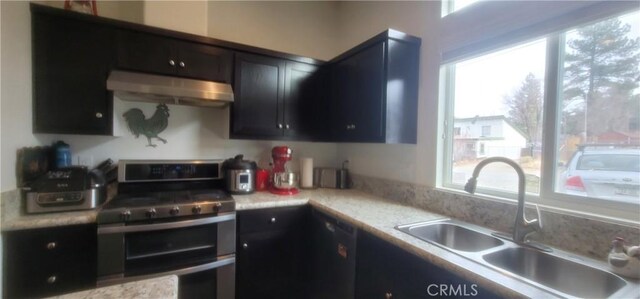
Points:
(385, 271)
(271, 253)
(49, 261)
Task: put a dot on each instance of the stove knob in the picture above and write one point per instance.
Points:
(151, 213)
(216, 207)
(125, 215)
(196, 210)
(174, 211)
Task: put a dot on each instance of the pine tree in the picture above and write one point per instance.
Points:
(602, 70)
(525, 108)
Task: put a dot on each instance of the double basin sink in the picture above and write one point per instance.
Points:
(555, 272)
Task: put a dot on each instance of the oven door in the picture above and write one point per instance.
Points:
(200, 251)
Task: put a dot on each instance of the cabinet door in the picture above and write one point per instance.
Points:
(341, 93)
(387, 271)
(271, 255)
(365, 103)
(269, 265)
(71, 63)
(301, 100)
(358, 96)
(204, 62)
(373, 279)
(143, 52)
(258, 88)
(51, 261)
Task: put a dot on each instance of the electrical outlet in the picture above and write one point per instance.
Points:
(85, 161)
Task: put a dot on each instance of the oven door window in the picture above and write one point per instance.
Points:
(165, 250)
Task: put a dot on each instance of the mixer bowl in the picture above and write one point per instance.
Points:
(285, 180)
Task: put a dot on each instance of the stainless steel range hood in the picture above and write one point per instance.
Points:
(131, 86)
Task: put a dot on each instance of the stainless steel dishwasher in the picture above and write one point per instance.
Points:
(333, 258)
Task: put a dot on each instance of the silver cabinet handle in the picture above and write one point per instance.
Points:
(51, 245)
(273, 220)
(245, 245)
(98, 115)
(279, 126)
(181, 64)
(52, 279)
(171, 62)
(353, 127)
(286, 126)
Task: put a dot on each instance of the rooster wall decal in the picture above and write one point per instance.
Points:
(151, 127)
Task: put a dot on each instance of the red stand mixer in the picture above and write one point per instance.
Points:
(283, 182)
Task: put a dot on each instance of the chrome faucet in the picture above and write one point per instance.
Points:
(522, 227)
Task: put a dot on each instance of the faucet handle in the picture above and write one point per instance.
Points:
(539, 220)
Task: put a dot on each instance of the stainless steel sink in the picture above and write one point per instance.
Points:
(557, 273)
(452, 236)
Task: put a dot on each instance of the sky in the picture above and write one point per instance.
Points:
(483, 82)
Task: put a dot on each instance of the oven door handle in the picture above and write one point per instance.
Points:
(221, 262)
(162, 226)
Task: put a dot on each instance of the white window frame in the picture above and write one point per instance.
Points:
(548, 198)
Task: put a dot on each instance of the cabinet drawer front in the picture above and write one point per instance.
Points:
(58, 280)
(50, 261)
(271, 219)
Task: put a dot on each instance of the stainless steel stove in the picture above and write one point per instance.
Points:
(170, 217)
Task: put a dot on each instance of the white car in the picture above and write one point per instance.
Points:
(604, 172)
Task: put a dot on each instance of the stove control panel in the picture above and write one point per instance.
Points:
(131, 214)
(168, 170)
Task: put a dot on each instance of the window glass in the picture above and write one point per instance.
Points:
(496, 101)
(486, 131)
(599, 109)
(455, 5)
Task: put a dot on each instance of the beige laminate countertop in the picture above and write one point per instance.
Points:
(164, 287)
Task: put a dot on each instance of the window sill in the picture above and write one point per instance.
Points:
(530, 200)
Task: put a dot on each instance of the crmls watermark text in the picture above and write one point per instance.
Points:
(450, 290)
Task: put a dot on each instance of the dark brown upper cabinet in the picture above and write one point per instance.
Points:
(375, 90)
(71, 62)
(358, 98)
(367, 94)
(150, 53)
(273, 98)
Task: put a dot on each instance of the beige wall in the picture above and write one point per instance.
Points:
(185, 16)
(358, 22)
(130, 11)
(304, 28)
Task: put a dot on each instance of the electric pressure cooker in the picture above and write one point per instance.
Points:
(239, 175)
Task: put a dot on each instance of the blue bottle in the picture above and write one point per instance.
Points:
(63, 154)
